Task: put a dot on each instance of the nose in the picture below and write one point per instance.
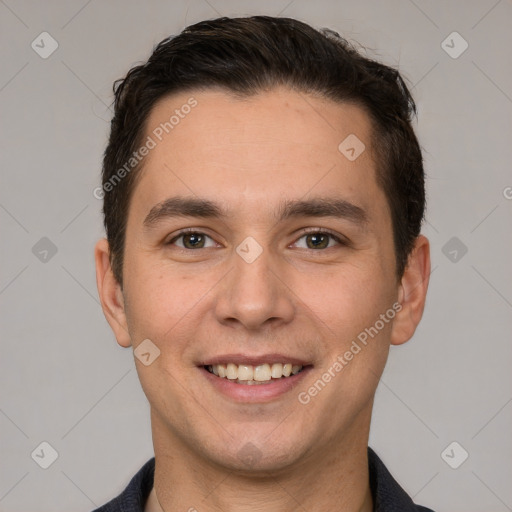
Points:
(255, 295)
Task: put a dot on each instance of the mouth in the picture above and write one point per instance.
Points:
(248, 374)
(254, 379)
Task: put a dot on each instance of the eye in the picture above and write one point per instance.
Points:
(320, 239)
(191, 240)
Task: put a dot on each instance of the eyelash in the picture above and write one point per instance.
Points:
(310, 231)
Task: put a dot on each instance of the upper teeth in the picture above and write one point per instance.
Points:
(247, 372)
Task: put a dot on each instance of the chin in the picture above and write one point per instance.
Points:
(251, 460)
(260, 448)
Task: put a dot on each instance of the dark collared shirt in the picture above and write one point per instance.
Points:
(388, 496)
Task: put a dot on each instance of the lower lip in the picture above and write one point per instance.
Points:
(256, 393)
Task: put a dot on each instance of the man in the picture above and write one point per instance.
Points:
(263, 198)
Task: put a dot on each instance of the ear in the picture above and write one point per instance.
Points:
(111, 294)
(412, 292)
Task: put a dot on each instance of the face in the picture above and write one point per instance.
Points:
(254, 243)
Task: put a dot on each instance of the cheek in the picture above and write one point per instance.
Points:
(355, 312)
(349, 300)
(163, 302)
(347, 309)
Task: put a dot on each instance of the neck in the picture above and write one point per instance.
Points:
(329, 480)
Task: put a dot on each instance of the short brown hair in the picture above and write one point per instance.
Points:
(251, 54)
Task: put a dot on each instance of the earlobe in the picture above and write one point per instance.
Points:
(412, 292)
(111, 295)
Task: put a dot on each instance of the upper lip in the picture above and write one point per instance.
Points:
(241, 359)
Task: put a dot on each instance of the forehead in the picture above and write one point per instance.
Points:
(254, 151)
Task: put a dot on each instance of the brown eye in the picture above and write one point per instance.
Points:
(319, 239)
(191, 240)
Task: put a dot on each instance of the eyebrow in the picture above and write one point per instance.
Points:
(206, 209)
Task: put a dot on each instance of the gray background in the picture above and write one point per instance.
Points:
(64, 379)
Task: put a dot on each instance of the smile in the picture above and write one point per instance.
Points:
(254, 383)
(254, 374)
